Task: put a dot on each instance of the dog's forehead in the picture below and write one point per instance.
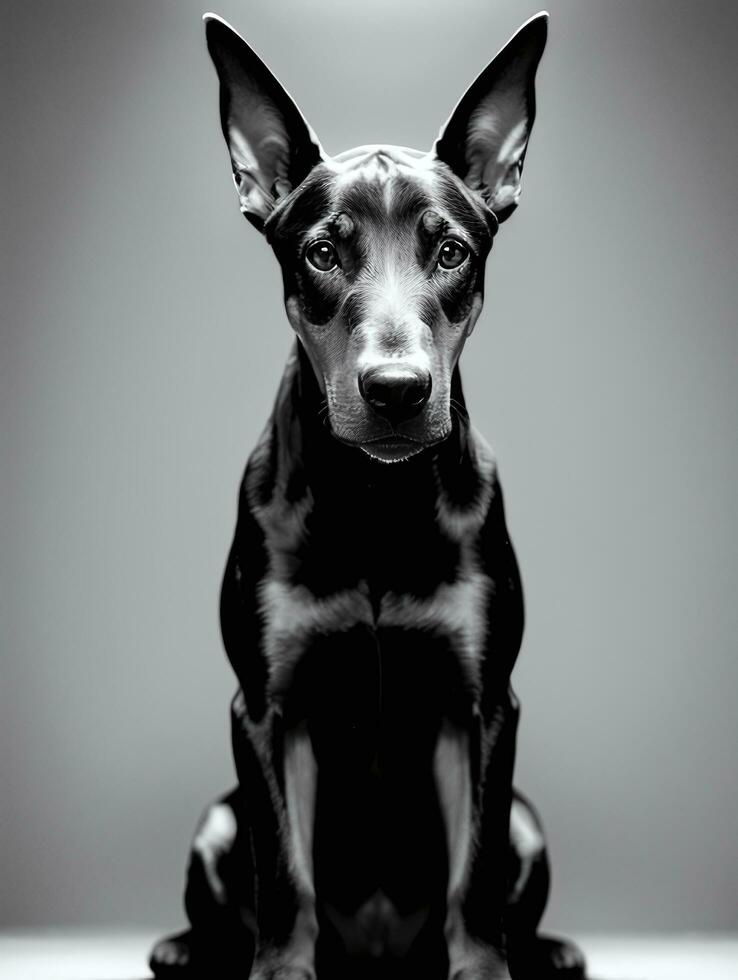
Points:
(377, 182)
(373, 152)
(381, 185)
(383, 181)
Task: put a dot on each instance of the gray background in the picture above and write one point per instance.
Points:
(142, 342)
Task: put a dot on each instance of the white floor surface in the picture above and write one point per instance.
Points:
(121, 955)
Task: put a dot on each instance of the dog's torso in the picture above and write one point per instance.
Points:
(376, 605)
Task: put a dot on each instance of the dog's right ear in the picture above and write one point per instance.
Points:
(271, 145)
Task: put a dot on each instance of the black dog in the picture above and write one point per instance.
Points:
(371, 606)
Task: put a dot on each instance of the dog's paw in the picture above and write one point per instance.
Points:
(280, 971)
(548, 958)
(481, 974)
(172, 954)
(480, 963)
(281, 964)
(566, 959)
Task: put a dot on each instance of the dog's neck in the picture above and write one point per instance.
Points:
(334, 518)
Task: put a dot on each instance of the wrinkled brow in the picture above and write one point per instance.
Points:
(377, 201)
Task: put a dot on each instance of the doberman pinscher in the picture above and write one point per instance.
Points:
(371, 606)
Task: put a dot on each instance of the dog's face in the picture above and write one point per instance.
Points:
(383, 257)
(382, 248)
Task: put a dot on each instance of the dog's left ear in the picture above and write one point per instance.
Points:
(271, 145)
(485, 139)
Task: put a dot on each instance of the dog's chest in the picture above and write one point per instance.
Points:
(386, 575)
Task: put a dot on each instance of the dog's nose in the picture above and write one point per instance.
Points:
(395, 394)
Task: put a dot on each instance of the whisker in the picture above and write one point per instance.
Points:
(323, 413)
(459, 409)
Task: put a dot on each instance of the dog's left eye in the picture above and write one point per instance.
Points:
(452, 254)
(322, 255)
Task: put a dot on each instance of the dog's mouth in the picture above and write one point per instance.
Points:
(395, 449)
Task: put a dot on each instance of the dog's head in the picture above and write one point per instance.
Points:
(382, 248)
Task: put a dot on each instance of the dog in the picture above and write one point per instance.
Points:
(371, 606)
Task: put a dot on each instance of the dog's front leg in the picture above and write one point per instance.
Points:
(474, 777)
(287, 924)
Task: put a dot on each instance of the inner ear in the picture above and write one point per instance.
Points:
(486, 137)
(272, 147)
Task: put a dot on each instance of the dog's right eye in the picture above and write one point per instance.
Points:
(322, 255)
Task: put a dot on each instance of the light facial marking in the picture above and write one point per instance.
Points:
(345, 225)
(432, 222)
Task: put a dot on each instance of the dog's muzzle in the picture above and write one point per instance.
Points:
(395, 394)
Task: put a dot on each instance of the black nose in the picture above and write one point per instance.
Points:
(395, 395)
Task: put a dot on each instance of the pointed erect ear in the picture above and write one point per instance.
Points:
(272, 148)
(485, 139)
